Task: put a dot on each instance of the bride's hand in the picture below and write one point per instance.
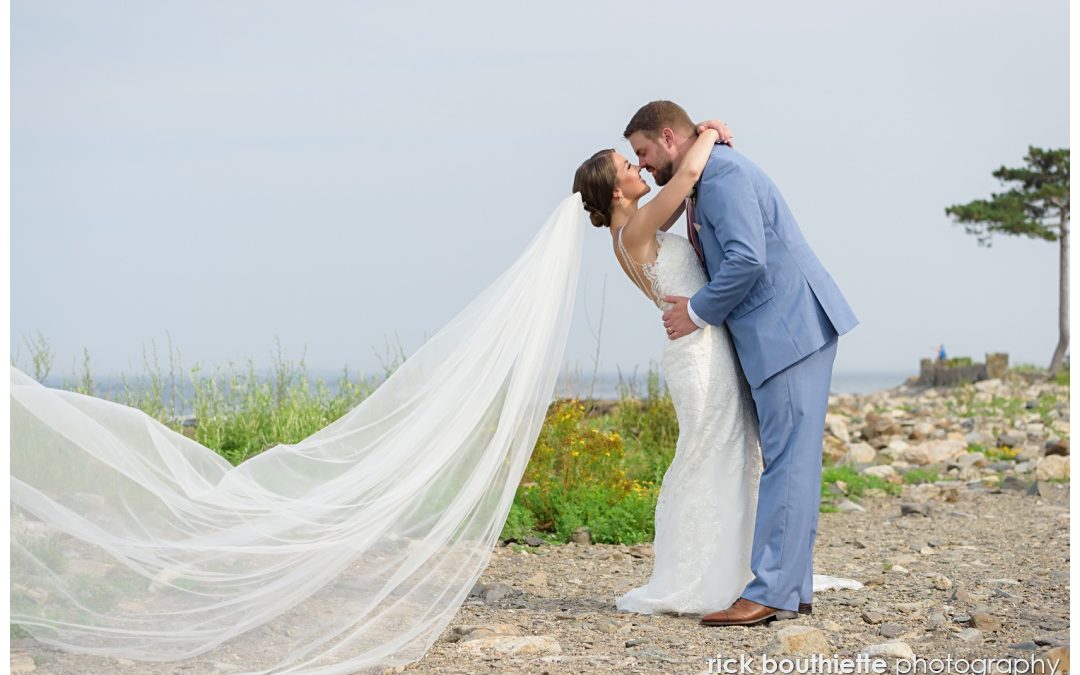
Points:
(726, 137)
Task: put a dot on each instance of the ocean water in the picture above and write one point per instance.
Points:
(607, 385)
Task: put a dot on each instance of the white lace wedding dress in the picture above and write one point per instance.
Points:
(708, 498)
(707, 505)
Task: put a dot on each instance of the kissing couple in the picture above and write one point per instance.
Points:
(752, 319)
(355, 546)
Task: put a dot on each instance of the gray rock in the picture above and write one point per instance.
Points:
(985, 622)
(893, 650)
(1027, 646)
(915, 509)
(873, 617)
(653, 654)
(1057, 446)
(962, 514)
(798, 640)
(921, 430)
(879, 471)
(1052, 467)
(879, 425)
(970, 459)
(534, 541)
(1002, 581)
(970, 635)
(935, 620)
(1029, 453)
(512, 645)
(847, 505)
(1049, 641)
(1040, 488)
(923, 492)
(612, 627)
(891, 630)
(466, 633)
(895, 449)
(962, 596)
(1054, 624)
(838, 427)
(858, 454)
(1009, 440)
(1014, 483)
(492, 593)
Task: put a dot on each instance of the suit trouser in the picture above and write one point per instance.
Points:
(791, 407)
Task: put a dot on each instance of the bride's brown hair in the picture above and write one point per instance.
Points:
(595, 180)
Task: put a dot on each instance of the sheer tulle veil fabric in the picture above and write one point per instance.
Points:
(351, 549)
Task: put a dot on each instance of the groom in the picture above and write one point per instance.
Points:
(784, 313)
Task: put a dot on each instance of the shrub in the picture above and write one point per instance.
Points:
(576, 477)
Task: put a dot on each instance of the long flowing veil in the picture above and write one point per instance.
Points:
(350, 549)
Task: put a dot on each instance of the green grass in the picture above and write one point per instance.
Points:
(857, 483)
(920, 475)
(1027, 368)
(238, 413)
(1062, 377)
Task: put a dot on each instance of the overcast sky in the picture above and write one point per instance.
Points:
(333, 173)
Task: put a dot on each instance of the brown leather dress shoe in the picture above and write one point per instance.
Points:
(742, 612)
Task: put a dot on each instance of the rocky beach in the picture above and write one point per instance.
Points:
(949, 505)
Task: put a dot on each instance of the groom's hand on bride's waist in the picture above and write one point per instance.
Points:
(677, 321)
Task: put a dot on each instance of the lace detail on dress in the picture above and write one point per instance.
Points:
(672, 272)
(645, 278)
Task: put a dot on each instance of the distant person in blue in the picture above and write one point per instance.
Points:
(941, 357)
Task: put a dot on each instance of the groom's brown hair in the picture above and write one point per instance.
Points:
(654, 116)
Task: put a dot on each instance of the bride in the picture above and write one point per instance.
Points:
(708, 497)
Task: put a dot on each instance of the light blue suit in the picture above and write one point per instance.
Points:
(784, 313)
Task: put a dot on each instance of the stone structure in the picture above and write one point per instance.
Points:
(933, 373)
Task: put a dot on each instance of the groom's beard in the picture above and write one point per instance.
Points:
(664, 173)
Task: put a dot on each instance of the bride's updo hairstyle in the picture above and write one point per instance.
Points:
(595, 180)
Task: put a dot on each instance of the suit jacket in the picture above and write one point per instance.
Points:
(778, 301)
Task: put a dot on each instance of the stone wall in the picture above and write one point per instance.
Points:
(933, 373)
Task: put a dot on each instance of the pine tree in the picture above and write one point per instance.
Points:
(1036, 205)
